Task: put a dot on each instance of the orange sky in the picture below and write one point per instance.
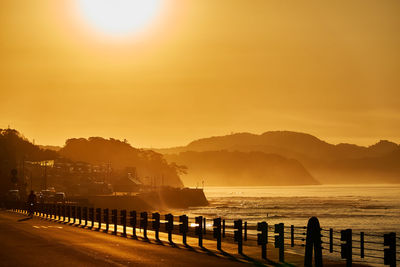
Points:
(204, 67)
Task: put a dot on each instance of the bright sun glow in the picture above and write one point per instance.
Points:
(120, 17)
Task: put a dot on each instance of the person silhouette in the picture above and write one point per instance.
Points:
(31, 203)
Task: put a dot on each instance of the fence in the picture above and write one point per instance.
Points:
(318, 242)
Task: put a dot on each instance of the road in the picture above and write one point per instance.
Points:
(36, 241)
(39, 242)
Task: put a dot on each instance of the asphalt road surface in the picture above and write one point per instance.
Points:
(38, 242)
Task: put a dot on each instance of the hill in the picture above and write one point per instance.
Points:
(14, 149)
(328, 163)
(121, 155)
(225, 168)
(69, 165)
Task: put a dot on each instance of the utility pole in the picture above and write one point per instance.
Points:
(31, 179)
(45, 175)
(23, 169)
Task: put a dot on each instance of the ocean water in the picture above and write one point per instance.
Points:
(372, 209)
(369, 208)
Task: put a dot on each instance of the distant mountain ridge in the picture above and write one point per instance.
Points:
(328, 163)
(285, 142)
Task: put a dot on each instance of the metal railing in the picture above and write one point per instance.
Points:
(345, 244)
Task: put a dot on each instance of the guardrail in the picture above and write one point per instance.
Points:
(345, 244)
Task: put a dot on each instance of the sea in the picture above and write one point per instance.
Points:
(372, 209)
(369, 208)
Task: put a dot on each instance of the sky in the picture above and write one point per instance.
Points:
(203, 68)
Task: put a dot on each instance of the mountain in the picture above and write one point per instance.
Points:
(225, 168)
(121, 155)
(327, 163)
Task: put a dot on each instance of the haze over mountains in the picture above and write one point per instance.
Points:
(235, 168)
(284, 158)
(271, 158)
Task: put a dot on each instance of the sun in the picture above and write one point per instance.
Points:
(119, 17)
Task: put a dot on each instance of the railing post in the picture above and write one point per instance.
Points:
(362, 245)
(91, 217)
(106, 219)
(347, 247)
(198, 230)
(330, 240)
(133, 223)
(85, 216)
(114, 219)
(313, 241)
(57, 212)
(217, 231)
(79, 215)
(238, 235)
(98, 218)
(123, 222)
(205, 226)
(262, 238)
(169, 226)
(73, 208)
(245, 231)
(143, 223)
(64, 212)
(69, 213)
(280, 240)
(223, 228)
(184, 227)
(54, 211)
(156, 224)
(389, 240)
